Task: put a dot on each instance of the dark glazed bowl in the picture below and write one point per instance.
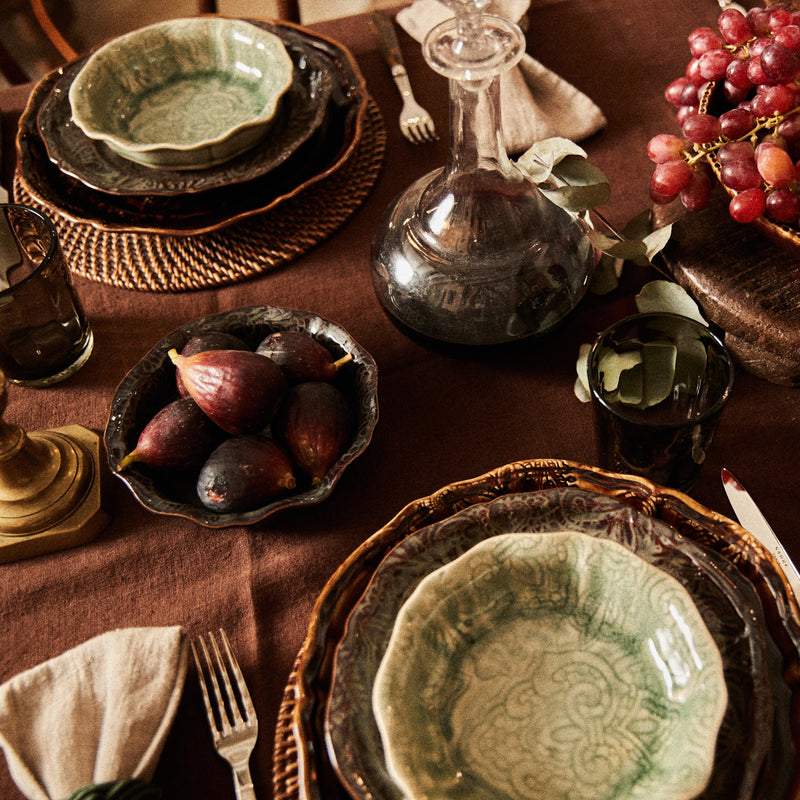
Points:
(150, 386)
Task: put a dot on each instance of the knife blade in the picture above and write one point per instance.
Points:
(751, 518)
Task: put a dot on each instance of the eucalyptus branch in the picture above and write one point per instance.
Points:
(559, 168)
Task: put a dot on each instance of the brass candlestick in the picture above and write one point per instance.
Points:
(50, 487)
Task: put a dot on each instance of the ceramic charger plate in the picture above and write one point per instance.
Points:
(550, 665)
(753, 737)
(244, 192)
(301, 763)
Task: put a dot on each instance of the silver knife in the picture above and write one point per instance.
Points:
(751, 518)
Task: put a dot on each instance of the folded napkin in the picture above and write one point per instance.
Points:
(535, 103)
(97, 713)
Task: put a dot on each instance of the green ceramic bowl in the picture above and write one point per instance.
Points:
(544, 666)
(183, 93)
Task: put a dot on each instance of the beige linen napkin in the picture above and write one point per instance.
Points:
(535, 103)
(99, 712)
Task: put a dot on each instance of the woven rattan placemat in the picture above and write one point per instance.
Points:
(173, 263)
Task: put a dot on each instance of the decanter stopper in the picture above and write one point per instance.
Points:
(472, 46)
(50, 487)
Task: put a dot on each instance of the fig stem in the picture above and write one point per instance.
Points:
(174, 355)
(345, 359)
(127, 460)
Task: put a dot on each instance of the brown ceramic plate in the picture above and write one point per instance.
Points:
(150, 386)
(302, 110)
(301, 765)
(727, 603)
(330, 147)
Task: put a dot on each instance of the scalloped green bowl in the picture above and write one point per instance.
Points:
(183, 93)
(545, 666)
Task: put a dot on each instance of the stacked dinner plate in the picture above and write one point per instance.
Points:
(159, 228)
(437, 653)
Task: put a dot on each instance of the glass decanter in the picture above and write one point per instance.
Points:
(473, 253)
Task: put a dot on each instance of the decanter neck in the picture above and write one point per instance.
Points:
(476, 138)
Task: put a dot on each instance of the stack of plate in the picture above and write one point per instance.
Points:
(328, 742)
(316, 150)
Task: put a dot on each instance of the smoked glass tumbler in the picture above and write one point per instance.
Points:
(44, 334)
(659, 383)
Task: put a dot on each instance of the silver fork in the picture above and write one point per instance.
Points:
(415, 122)
(231, 716)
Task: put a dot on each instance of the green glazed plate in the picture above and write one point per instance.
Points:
(550, 666)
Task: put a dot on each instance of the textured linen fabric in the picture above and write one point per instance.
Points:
(444, 415)
(99, 712)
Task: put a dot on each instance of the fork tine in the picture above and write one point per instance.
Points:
(408, 131)
(244, 694)
(219, 720)
(417, 125)
(234, 736)
(415, 129)
(231, 708)
(428, 129)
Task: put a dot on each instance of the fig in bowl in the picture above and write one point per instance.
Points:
(207, 425)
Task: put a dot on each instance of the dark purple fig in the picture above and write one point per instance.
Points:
(213, 340)
(239, 390)
(301, 356)
(244, 473)
(180, 435)
(315, 423)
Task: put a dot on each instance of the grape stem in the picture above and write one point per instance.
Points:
(702, 150)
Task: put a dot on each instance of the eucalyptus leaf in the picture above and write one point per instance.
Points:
(606, 274)
(640, 226)
(581, 392)
(538, 161)
(691, 363)
(577, 198)
(582, 368)
(579, 185)
(657, 240)
(612, 364)
(601, 241)
(579, 172)
(658, 364)
(631, 385)
(663, 295)
(628, 250)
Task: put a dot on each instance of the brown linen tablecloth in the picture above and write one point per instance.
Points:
(442, 417)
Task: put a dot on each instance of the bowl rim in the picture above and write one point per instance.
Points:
(80, 94)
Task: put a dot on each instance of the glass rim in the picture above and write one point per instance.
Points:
(714, 408)
(51, 249)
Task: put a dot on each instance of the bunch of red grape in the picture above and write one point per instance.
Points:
(754, 62)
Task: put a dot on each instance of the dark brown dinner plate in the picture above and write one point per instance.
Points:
(92, 162)
(327, 150)
(302, 767)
